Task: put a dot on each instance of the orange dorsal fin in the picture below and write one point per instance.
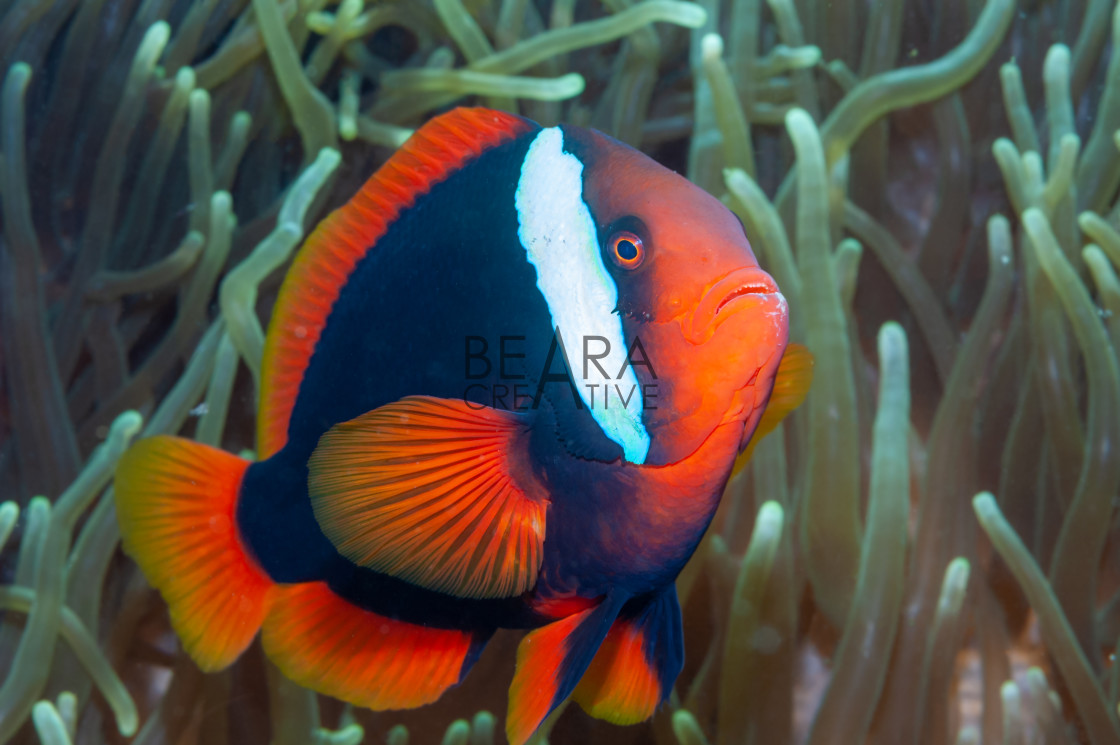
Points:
(634, 669)
(791, 386)
(325, 643)
(322, 267)
(176, 503)
(424, 489)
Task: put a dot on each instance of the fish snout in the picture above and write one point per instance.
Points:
(743, 289)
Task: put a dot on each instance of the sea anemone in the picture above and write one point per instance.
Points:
(928, 551)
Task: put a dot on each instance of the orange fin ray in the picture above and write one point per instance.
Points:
(635, 668)
(176, 502)
(325, 643)
(324, 264)
(550, 662)
(423, 489)
(791, 386)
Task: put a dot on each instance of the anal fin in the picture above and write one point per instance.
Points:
(635, 668)
(325, 643)
(550, 662)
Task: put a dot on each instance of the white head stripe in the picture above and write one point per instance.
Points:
(559, 237)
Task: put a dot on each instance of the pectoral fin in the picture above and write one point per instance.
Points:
(791, 386)
(426, 490)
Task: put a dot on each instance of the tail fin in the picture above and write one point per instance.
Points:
(176, 502)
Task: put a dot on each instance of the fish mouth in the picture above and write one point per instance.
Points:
(741, 289)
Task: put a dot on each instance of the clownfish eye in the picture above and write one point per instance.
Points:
(626, 249)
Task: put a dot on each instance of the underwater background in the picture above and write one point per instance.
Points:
(927, 552)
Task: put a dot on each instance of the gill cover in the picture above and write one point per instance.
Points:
(711, 323)
(561, 242)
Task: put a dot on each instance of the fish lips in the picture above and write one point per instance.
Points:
(754, 316)
(745, 289)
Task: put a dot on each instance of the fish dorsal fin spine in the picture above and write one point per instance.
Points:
(324, 264)
(433, 491)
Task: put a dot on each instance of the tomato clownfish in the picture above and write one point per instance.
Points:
(503, 387)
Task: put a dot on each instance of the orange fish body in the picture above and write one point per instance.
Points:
(503, 387)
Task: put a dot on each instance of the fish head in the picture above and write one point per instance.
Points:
(705, 326)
